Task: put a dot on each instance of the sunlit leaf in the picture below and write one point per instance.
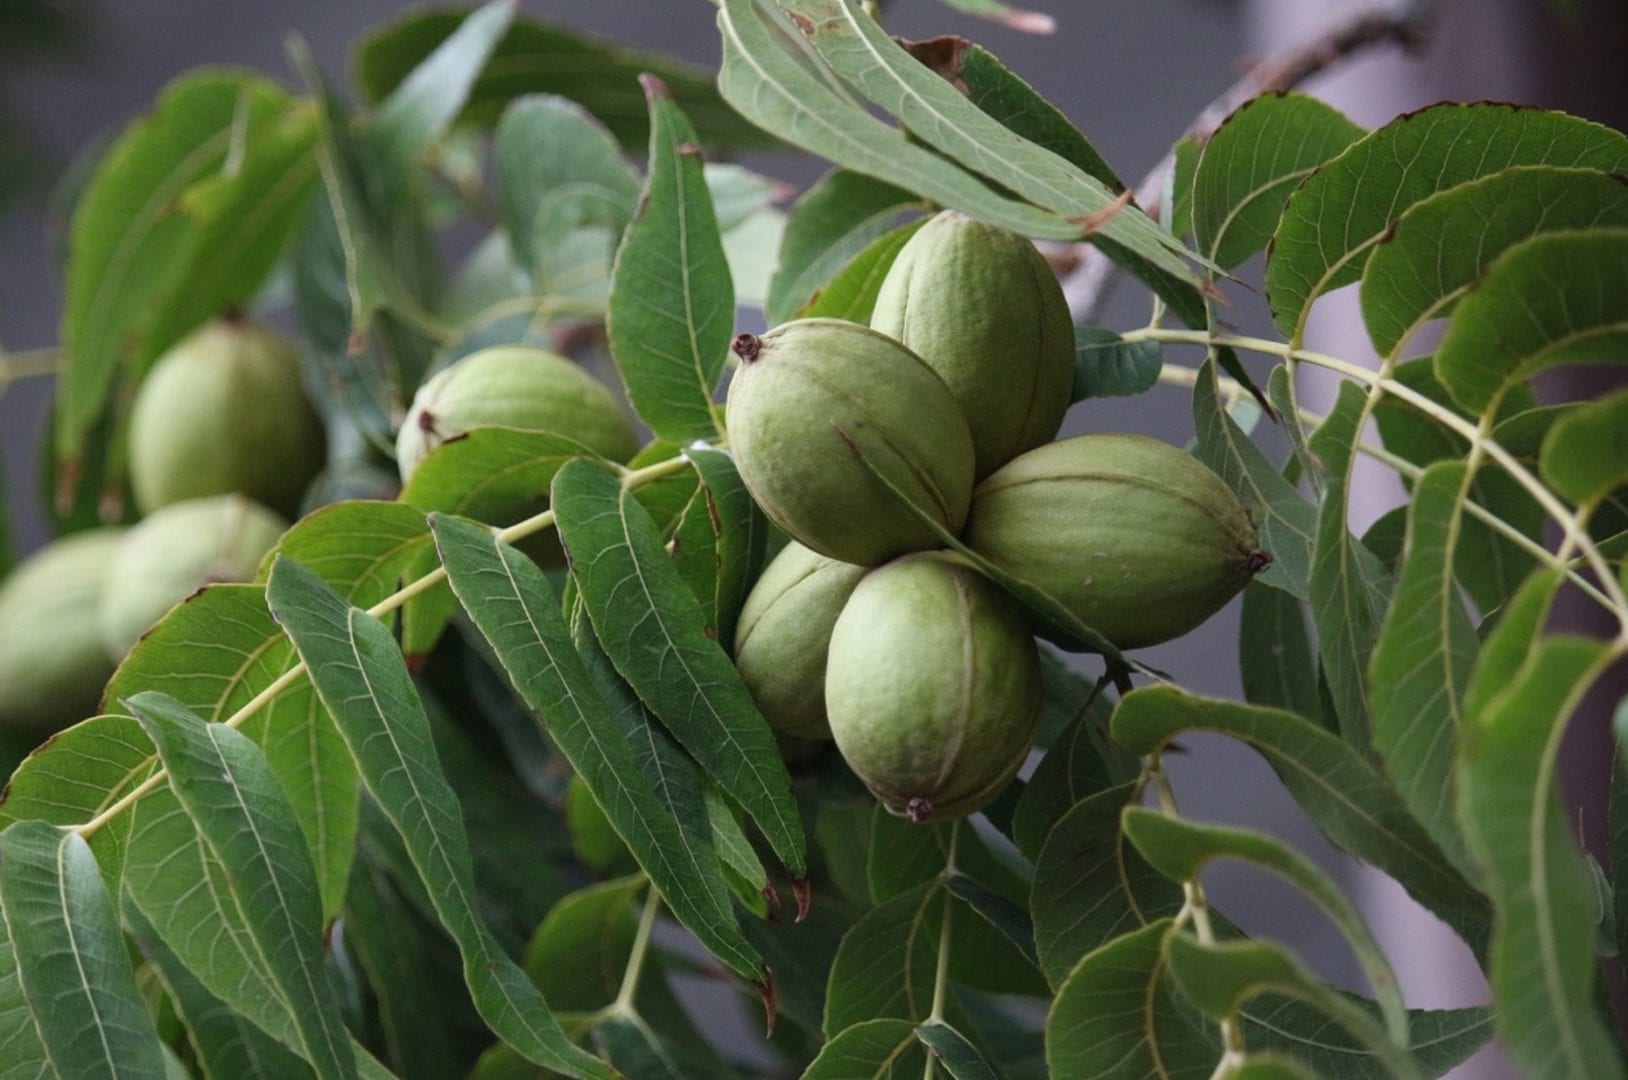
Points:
(827, 227)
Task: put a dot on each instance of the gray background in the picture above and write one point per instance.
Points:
(1130, 74)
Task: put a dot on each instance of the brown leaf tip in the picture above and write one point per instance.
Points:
(747, 347)
(940, 55)
(653, 86)
(765, 990)
(804, 894)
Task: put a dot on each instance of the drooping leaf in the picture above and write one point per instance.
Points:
(886, 964)
(1081, 763)
(227, 789)
(68, 961)
(1542, 956)
(1275, 655)
(1107, 366)
(1114, 1016)
(1288, 523)
(129, 247)
(827, 227)
(1443, 244)
(386, 935)
(857, 49)
(1335, 218)
(82, 771)
(361, 676)
(567, 194)
(1180, 850)
(717, 545)
(1585, 456)
(1220, 978)
(765, 78)
(426, 101)
(852, 293)
(1559, 297)
(227, 1044)
(1001, 93)
(954, 1052)
(1421, 662)
(219, 652)
(1346, 598)
(1252, 164)
(869, 1050)
(1091, 886)
(672, 306)
(536, 57)
(1354, 805)
(1438, 1038)
(651, 628)
(515, 609)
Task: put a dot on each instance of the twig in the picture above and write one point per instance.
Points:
(1091, 284)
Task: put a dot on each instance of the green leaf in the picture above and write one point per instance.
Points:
(1081, 763)
(996, 910)
(1270, 1067)
(424, 104)
(886, 963)
(1353, 804)
(1439, 1038)
(1288, 523)
(672, 307)
(1275, 655)
(1181, 850)
(862, 53)
(228, 791)
(1184, 168)
(567, 194)
(71, 966)
(1421, 663)
(1542, 956)
(996, 90)
(1442, 245)
(490, 474)
(1346, 598)
(536, 57)
(769, 81)
(1252, 164)
(1091, 887)
(1013, 18)
(826, 228)
(75, 775)
(218, 652)
(852, 293)
(1114, 1016)
(132, 256)
(22, 1054)
(1222, 978)
(952, 1050)
(900, 856)
(226, 1044)
(869, 1050)
(1105, 365)
(1487, 564)
(637, 1050)
(1336, 217)
(718, 543)
(512, 604)
(578, 953)
(1557, 298)
(1585, 455)
(355, 665)
(652, 630)
(242, 220)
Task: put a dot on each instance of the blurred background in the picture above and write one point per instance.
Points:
(1132, 75)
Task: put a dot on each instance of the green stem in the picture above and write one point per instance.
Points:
(631, 478)
(1567, 520)
(635, 960)
(941, 976)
